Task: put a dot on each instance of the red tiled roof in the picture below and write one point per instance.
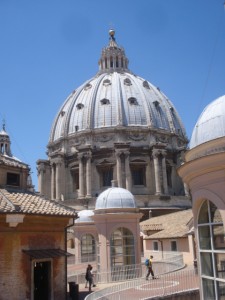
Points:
(31, 203)
(171, 225)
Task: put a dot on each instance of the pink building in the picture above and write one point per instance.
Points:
(110, 234)
(204, 172)
(169, 233)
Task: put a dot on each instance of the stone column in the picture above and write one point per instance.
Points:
(81, 175)
(53, 181)
(118, 169)
(158, 188)
(127, 170)
(58, 181)
(165, 184)
(41, 181)
(88, 174)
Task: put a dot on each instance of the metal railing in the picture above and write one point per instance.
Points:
(168, 284)
(171, 262)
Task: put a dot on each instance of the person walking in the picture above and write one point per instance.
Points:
(86, 276)
(89, 277)
(149, 269)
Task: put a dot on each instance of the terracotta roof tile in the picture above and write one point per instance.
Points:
(31, 203)
(168, 226)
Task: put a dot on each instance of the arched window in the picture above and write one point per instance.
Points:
(211, 242)
(88, 248)
(122, 249)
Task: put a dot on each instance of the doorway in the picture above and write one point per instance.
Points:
(42, 280)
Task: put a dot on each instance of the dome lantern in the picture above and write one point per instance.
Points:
(5, 142)
(113, 57)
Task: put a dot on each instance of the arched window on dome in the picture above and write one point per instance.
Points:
(106, 82)
(146, 85)
(133, 101)
(79, 106)
(211, 244)
(105, 101)
(127, 81)
(87, 86)
(88, 248)
(122, 248)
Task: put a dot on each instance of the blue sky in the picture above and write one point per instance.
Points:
(50, 47)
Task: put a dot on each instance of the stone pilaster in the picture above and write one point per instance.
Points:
(118, 168)
(165, 183)
(41, 179)
(127, 170)
(81, 175)
(158, 189)
(58, 180)
(53, 181)
(88, 174)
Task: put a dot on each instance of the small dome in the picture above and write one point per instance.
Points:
(115, 197)
(211, 123)
(84, 216)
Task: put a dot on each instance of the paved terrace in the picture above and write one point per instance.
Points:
(140, 289)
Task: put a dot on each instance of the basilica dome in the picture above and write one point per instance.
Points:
(115, 197)
(115, 126)
(211, 123)
(115, 97)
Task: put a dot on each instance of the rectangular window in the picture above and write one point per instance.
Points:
(173, 246)
(13, 179)
(75, 176)
(107, 177)
(138, 176)
(155, 246)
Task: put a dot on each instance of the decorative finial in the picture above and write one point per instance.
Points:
(112, 33)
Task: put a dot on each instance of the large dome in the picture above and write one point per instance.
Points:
(115, 97)
(115, 126)
(211, 123)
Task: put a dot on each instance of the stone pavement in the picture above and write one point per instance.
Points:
(167, 284)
